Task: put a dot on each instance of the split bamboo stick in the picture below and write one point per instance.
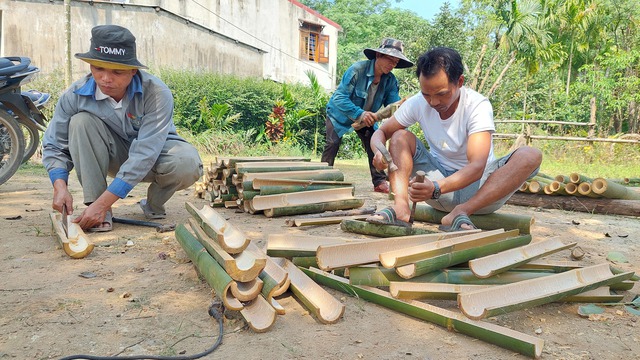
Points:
(227, 236)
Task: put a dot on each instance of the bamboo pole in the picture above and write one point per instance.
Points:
(314, 208)
(302, 198)
(285, 189)
(558, 188)
(379, 230)
(486, 222)
(563, 179)
(584, 189)
(492, 333)
(571, 188)
(611, 190)
(210, 270)
(572, 203)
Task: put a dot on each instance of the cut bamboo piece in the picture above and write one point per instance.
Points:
(328, 175)
(336, 256)
(457, 257)
(274, 278)
(263, 202)
(486, 222)
(210, 270)
(492, 333)
(408, 255)
(576, 178)
(227, 236)
(282, 289)
(563, 179)
(554, 266)
(599, 295)
(325, 307)
(611, 190)
(571, 188)
(261, 182)
(584, 189)
(430, 291)
(246, 291)
(327, 220)
(379, 230)
(287, 245)
(487, 266)
(259, 314)
(280, 310)
(231, 161)
(480, 304)
(76, 244)
(280, 166)
(558, 188)
(244, 267)
(314, 208)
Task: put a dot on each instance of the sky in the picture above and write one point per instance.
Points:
(425, 8)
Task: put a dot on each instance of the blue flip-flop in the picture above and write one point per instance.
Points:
(387, 216)
(457, 223)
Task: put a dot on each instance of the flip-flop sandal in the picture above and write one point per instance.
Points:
(106, 225)
(148, 213)
(458, 221)
(386, 216)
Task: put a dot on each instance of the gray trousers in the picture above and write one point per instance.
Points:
(97, 151)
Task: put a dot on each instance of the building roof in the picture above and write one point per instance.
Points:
(315, 13)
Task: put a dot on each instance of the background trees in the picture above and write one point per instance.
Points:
(535, 59)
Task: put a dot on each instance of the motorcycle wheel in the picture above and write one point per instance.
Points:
(11, 147)
(31, 136)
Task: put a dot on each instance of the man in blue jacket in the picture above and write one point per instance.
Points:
(116, 121)
(366, 87)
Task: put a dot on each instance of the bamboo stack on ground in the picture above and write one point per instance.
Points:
(580, 185)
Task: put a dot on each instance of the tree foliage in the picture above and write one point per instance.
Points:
(534, 59)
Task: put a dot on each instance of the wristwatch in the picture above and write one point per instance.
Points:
(436, 191)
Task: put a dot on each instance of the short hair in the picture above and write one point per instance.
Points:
(438, 58)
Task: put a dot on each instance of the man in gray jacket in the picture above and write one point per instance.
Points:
(116, 121)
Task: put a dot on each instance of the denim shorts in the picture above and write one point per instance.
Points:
(423, 160)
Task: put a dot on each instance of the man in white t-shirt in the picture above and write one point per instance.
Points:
(462, 175)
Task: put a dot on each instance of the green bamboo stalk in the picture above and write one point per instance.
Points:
(365, 228)
(305, 261)
(563, 179)
(558, 188)
(571, 188)
(248, 195)
(230, 162)
(281, 168)
(314, 208)
(486, 222)
(611, 190)
(545, 176)
(584, 189)
(210, 270)
(492, 333)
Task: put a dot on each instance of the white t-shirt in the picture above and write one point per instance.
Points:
(447, 139)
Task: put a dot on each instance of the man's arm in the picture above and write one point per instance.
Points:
(478, 148)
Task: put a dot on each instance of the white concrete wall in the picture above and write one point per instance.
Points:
(243, 37)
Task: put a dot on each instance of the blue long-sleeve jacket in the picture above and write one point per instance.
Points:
(345, 105)
(147, 124)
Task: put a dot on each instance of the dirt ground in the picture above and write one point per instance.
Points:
(146, 298)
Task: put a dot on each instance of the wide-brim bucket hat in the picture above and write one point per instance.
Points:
(391, 47)
(112, 47)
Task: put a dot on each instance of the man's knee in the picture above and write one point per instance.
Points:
(82, 123)
(528, 157)
(401, 139)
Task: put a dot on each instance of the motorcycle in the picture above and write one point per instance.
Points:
(21, 118)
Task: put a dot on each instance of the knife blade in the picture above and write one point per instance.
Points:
(65, 224)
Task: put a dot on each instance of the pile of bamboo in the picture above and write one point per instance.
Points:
(579, 185)
(243, 277)
(276, 186)
(487, 273)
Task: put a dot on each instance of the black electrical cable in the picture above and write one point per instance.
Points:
(214, 312)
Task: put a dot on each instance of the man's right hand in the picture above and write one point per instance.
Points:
(62, 196)
(368, 118)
